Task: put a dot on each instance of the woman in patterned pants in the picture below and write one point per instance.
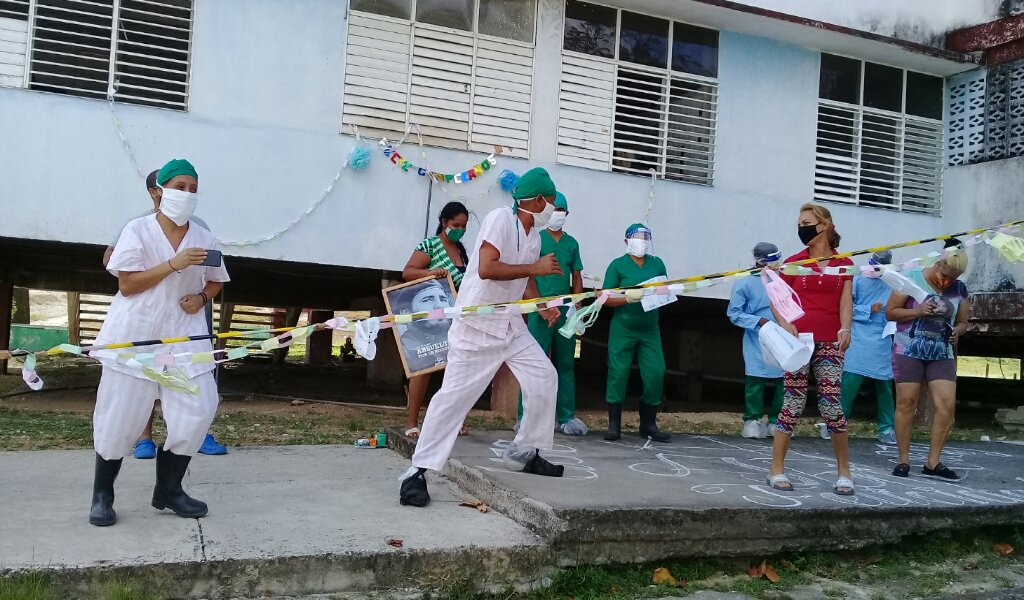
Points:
(828, 312)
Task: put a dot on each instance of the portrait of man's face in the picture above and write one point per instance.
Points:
(431, 296)
(423, 343)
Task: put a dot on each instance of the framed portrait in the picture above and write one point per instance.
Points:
(423, 343)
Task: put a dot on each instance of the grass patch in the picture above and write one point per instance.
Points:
(123, 590)
(38, 430)
(28, 586)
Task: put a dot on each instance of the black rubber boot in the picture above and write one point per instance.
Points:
(614, 422)
(102, 514)
(649, 425)
(170, 470)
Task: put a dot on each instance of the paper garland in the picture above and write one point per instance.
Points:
(463, 177)
(162, 367)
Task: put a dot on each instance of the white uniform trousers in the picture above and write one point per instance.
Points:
(124, 404)
(473, 359)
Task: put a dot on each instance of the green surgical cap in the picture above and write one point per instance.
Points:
(560, 201)
(173, 168)
(533, 183)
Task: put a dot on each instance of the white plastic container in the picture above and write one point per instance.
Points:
(783, 350)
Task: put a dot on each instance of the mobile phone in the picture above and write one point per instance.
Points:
(213, 258)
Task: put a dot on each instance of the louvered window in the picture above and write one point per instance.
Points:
(638, 94)
(137, 49)
(460, 70)
(880, 136)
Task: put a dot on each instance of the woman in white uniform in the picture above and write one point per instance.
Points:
(163, 287)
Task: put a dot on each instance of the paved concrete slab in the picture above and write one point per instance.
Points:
(704, 495)
(292, 520)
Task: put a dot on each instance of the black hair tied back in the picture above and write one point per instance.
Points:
(450, 211)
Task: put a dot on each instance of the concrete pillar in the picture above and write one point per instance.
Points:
(6, 308)
(386, 368)
(318, 348)
(22, 307)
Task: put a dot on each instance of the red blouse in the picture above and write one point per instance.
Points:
(820, 296)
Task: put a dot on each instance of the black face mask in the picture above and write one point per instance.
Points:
(807, 233)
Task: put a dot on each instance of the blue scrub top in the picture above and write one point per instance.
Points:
(869, 353)
(749, 302)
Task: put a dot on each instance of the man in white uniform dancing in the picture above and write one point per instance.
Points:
(501, 268)
(163, 286)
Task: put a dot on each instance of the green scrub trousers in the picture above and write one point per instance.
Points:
(754, 387)
(849, 389)
(563, 356)
(625, 342)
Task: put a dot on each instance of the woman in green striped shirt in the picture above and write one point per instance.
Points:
(436, 256)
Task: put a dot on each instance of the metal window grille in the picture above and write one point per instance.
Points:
(878, 158)
(881, 158)
(464, 90)
(139, 50)
(620, 116)
(152, 55)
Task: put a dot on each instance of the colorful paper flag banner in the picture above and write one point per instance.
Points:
(468, 175)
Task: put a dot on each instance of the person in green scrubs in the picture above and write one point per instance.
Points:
(566, 249)
(634, 332)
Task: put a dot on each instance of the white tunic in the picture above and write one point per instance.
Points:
(479, 345)
(502, 229)
(156, 313)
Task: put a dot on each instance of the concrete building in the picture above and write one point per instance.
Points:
(712, 120)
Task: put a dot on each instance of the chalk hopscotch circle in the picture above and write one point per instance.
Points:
(560, 454)
(665, 467)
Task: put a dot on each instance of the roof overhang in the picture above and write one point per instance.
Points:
(811, 33)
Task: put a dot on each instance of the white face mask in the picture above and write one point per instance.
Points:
(541, 219)
(638, 248)
(178, 205)
(557, 221)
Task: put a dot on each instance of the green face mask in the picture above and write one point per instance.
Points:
(455, 234)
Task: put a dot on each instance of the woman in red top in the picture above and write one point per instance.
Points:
(828, 311)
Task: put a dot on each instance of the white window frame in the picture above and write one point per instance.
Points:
(112, 93)
(669, 74)
(477, 38)
(901, 202)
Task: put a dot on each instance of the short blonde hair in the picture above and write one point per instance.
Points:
(956, 261)
(823, 215)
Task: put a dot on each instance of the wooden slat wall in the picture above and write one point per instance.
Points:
(377, 75)
(585, 104)
(442, 83)
(13, 47)
(503, 97)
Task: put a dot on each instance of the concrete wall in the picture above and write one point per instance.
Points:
(922, 21)
(991, 194)
(262, 128)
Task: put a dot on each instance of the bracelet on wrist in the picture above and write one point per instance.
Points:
(206, 299)
(172, 267)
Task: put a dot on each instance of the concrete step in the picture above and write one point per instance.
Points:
(283, 521)
(635, 501)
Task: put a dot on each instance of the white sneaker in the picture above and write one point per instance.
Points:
(825, 435)
(751, 429)
(889, 437)
(762, 428)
